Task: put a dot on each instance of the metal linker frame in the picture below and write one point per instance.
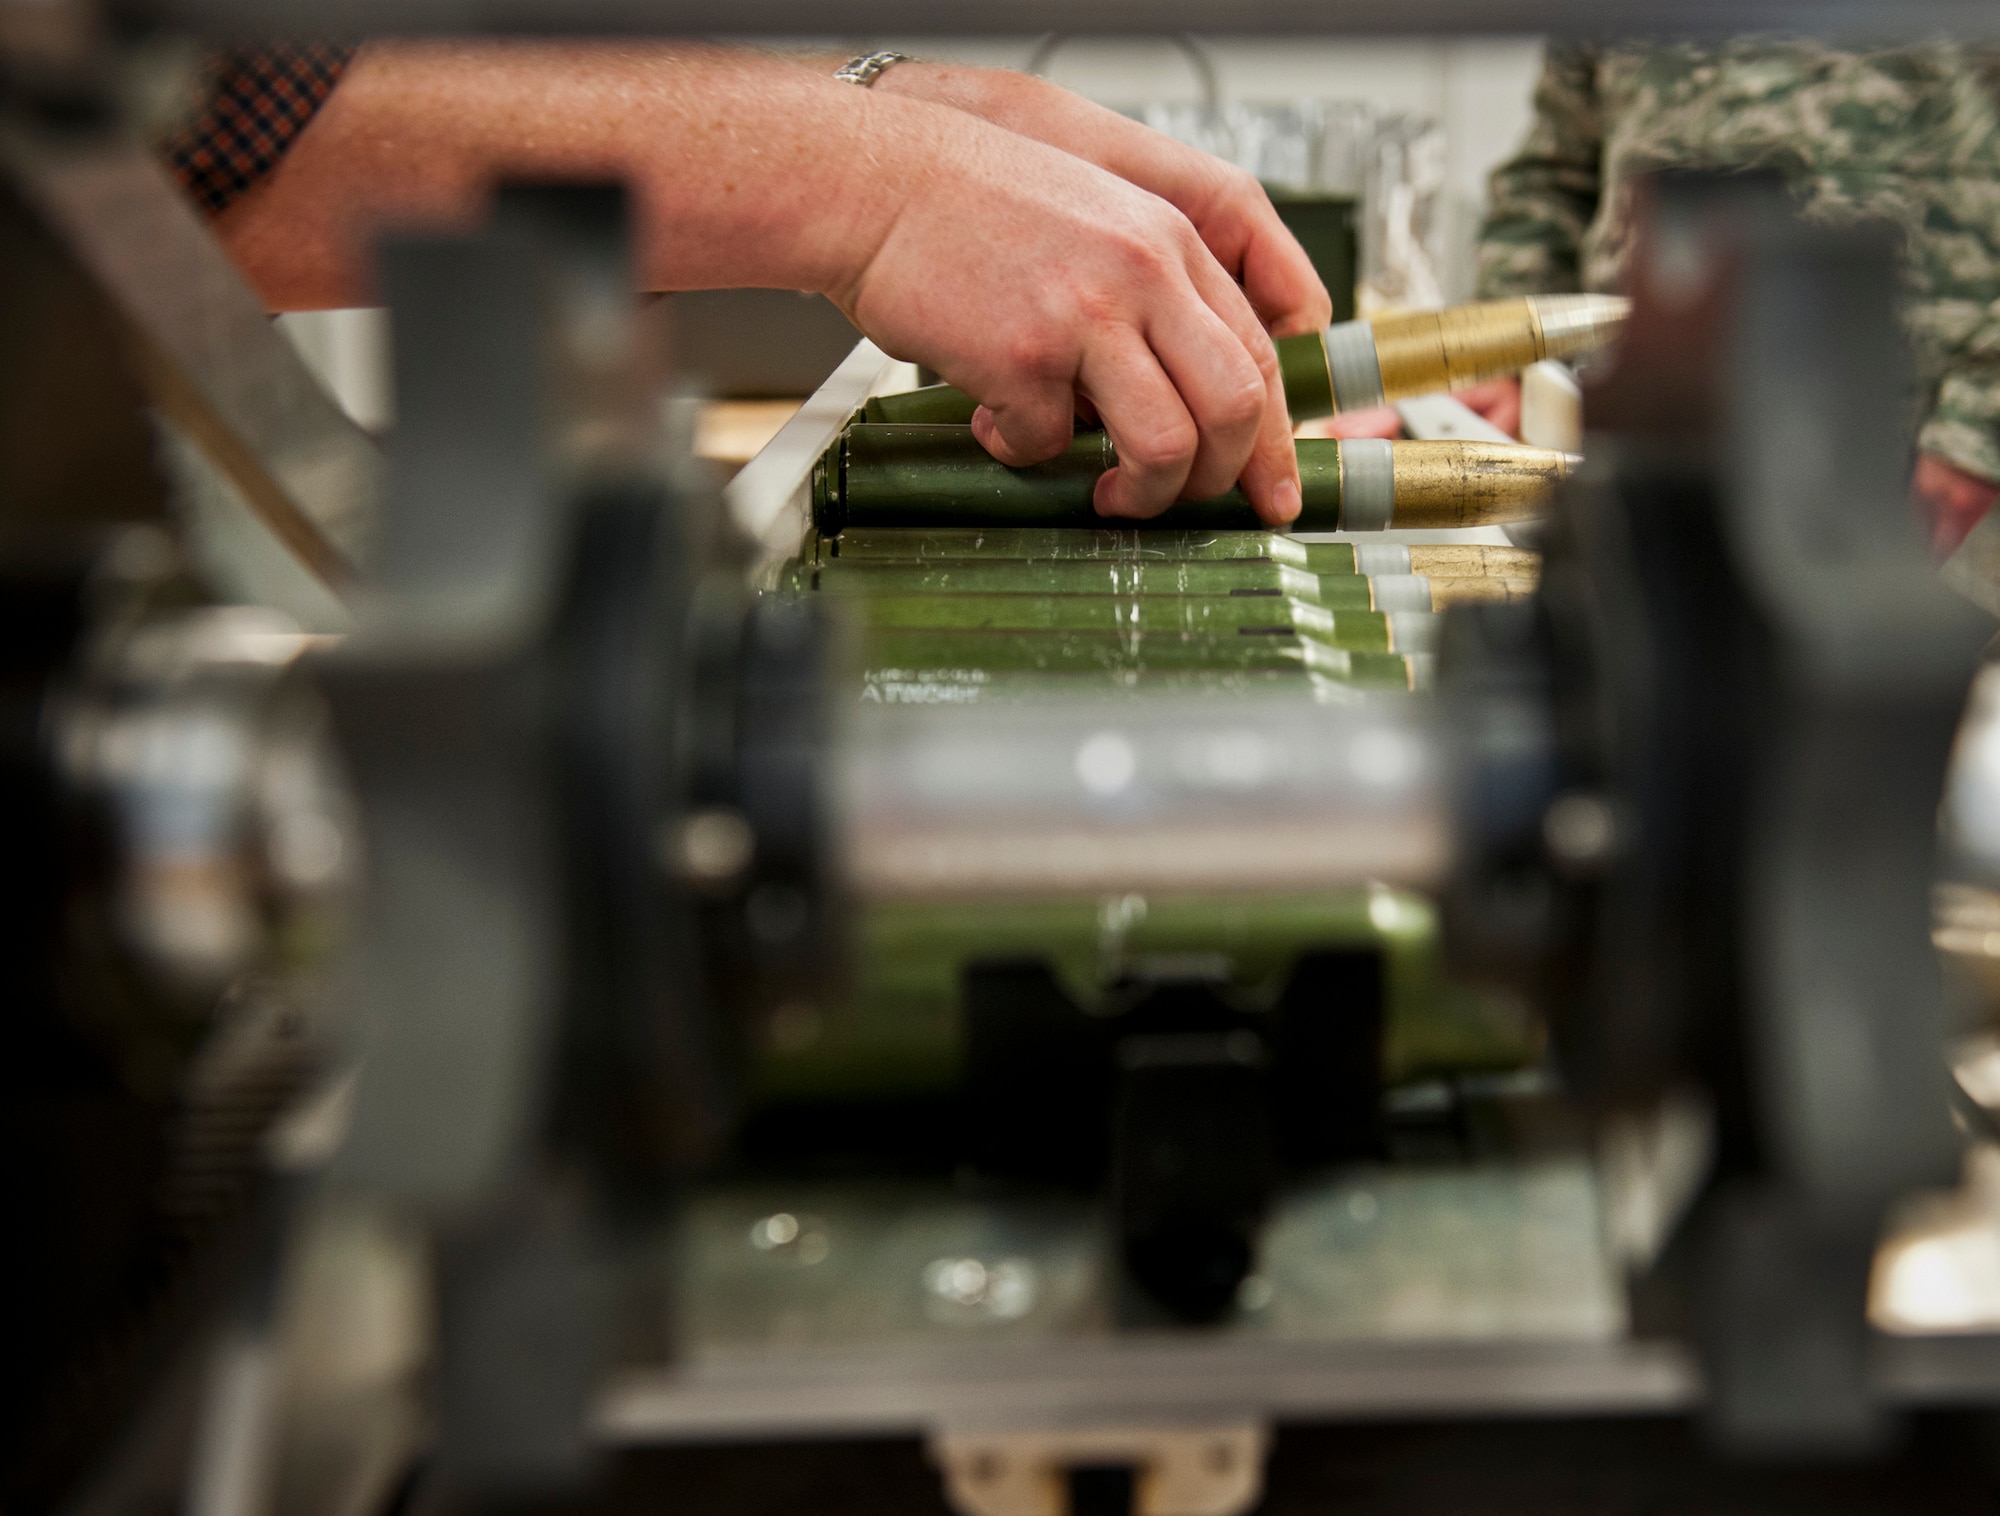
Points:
(1365, 1325)
(1186, 1380)
(1173, 1381)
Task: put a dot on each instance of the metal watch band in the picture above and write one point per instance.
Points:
(866, 69)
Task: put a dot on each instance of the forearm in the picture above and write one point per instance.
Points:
(1035, 108)
(1022, 273)
(745, 170)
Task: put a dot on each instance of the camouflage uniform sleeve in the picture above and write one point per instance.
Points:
(1542, 200)
(1963, 427)
(1956, 266)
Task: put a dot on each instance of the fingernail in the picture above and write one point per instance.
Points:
(1286, 501)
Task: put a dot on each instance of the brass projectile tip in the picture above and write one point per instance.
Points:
(1573, 326)
(1460, 484)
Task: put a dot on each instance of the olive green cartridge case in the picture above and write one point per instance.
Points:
(900, 1028)
(1340, 595)
(1055, 544)
(1412, 628)
(1457, 575)
(942, 685)
(933, 405)
(937, 476)
(978, 576)
(1353, 365)
(1057, 652)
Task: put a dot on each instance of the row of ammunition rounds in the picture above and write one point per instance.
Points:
(933, 476)
(952, 615)
(1058, 545)
(1352, 365)
(1136, 606)
(1137, 585)
(1377, 666)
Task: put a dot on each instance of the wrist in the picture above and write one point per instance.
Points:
(768, 177)
(973, 90)
(910, 133)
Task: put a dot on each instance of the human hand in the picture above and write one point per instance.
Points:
(1376, 421)
(1226, 206)
(1497, 400)
(1030, 278)
(1950, 501)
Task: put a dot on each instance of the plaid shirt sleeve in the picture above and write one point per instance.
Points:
(256, 102)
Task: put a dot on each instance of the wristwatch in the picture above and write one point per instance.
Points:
(866, 69)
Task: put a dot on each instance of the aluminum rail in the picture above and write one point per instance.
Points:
(1067, 796)
(885, 1392)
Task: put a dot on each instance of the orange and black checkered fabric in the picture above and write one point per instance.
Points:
(257, 102)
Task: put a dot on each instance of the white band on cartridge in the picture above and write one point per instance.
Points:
(1413, 631)
(1373, 558)
(1350, 359)
(1367, 484)
(1400, 592)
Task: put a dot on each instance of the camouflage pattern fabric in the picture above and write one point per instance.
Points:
(1910, 136)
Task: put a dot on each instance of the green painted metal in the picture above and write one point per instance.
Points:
(1035, 595)
(891, 685)
(1308, 381)
(1358, 633)
(898, 1030)
(862, 576)
(1218, 614)
(933, 405)
(1058, 544)
(1329, 557)
(931, 476)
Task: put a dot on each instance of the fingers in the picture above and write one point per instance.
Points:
(1244, 232)
(1271, 473)
(1224, 389)
(1950, 500)
(1497, 400)
(1376, 421)
(1269, 470)
(1149, 425)
(1030, 429)
(1279, 280)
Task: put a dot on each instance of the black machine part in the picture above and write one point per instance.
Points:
(1704, 766)
(1694, 789)
(1182, 1105)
